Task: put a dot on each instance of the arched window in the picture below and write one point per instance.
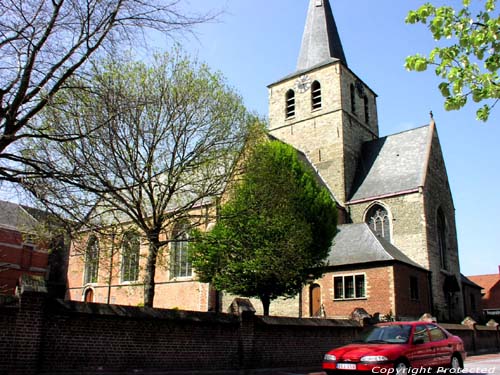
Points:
(290, 103)
(441, 234)
(353, 99)
(92, 260)
(130, 257)
(316, 95)
(378, 219)
(180, 264)
(367, 109)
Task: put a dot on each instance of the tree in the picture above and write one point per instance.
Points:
(273, 233)
(43, 43)
(468, 61)
(172, 132)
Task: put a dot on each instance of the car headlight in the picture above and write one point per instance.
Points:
(374, 358)
(330, 358)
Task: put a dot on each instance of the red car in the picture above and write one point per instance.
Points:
(391, 348)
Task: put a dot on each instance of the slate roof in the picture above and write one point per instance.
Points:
(321, 40)
(14, 216)
(392, 164)
(358, 244)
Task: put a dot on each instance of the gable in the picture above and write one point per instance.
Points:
(391, 165)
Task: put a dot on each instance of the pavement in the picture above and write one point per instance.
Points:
(474, 365)
(483, 364)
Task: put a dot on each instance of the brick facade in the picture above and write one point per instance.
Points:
(183, 293)
(17, 257)
(387, 292)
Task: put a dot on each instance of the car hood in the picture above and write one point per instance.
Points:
(355, 352)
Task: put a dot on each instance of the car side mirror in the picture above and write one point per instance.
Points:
(418, 341)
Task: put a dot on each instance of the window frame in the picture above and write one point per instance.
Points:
(373, 213)
(179, 254)
(290, 108)
(316, 96)
(442, 238)
(358, 292)
(367, 109)
(127, 259)
(91, 270)
(414, 292)
(353, 99)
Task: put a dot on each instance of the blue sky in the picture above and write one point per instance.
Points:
(257, 42)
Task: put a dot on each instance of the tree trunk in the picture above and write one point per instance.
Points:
(266, 301)
(149, 277)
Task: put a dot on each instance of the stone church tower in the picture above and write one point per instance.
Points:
(324, 109)
(396, 186)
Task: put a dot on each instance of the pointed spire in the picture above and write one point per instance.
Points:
(321, 40)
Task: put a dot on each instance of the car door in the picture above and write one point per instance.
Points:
(421, 352)
(441, 344)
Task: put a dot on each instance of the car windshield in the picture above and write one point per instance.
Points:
(390, 334)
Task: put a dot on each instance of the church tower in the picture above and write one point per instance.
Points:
(323, 108)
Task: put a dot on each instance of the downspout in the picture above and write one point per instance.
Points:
(110, 278)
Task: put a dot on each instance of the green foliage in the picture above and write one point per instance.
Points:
(275, 231)
(469, 59)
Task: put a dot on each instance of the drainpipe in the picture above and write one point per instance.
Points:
(110, 278)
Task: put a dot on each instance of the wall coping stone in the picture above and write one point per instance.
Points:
(134, 312)
(307, 322)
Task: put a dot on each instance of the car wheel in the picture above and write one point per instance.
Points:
(401, 368)
(456, 363)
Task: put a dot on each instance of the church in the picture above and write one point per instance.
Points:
(396, 252)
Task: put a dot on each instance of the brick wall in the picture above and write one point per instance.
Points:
(40, 335)
(48, 336)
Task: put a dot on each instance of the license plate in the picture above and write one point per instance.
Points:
(346, 366)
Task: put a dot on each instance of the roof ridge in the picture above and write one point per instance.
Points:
(402, 132)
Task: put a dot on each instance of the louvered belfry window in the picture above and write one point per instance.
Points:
(290, 103)
(316, 95)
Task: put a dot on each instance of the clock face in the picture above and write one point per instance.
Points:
(303, 83)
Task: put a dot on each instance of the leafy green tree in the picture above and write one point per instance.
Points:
(469, 58)
(273, 233)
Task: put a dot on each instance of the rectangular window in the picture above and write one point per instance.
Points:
(360, 286)
(414, 294)
(338, 287)
(349, 287)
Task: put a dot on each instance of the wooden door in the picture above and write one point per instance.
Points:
(315, 300)
(89, 295)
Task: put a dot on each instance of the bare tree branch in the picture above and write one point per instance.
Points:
(45, 42)
(173, 131)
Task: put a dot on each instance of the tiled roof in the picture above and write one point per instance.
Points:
(358, 244)
(14, 216)
(491, 289)
(392, 164)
